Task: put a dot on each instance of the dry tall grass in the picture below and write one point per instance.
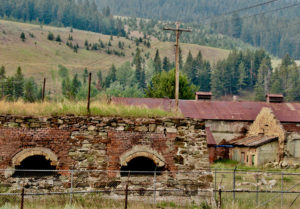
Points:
(80, 109)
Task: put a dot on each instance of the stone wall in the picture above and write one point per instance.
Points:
(267, 124)
(105, 143)
(227, 130)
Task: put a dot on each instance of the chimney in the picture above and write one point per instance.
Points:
(275, 98)
(235, 98)
(200, 96)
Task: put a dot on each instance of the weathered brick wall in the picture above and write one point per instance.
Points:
(101, 143)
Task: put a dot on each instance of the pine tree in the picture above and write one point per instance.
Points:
(30, 90)
(22, 36)
(259, 86)
(111, 77)
(2, 81)
(166, 64)
(188, 66)
(76, 85)
(50, 36)
(18, 84)
(157, 62)
(58, 39)
(9, 89)
(236, 25)
(85, 75)
(180, 59)
(99, 85)
(242, 76)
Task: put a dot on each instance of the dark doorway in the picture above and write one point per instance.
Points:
(141, 166)
(35, 164)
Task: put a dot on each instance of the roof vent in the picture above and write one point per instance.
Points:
(203, 96)
(274, 98)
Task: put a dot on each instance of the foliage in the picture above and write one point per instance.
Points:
(163, 85)
(22, 36)
(78, 14)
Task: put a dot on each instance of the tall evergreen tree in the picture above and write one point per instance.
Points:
(157, 62)
(30, 90)
(166, 64)
(85, 75)
(76, 85)
(188, 66)
(236, 25)
(2, 81)
(18, 84)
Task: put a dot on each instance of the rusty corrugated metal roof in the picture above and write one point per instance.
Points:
(220, 110)
(210, 138)
(253, 141)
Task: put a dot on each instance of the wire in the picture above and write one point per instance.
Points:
(257, 14)
(242, 9)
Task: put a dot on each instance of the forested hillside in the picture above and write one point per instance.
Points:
(82, 14)
(273, 26)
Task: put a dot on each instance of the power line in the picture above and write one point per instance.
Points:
(260, 13)
(242, 9)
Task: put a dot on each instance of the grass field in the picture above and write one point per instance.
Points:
(38, 56)
(79, 109)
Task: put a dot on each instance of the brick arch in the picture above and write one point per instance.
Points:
(22, 155)
(142, 151)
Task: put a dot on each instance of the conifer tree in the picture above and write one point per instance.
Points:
(22, 36)
(9, 88)
(2, 81)
(242, 76)
(157, 62)
(76, 85)
(99, 85)
(30, 90)
(85, 75)
(188, 66)
(111, 77)
(18, 84)
(166, 64)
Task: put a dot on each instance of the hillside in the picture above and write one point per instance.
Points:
(272, 25)
(38, 56)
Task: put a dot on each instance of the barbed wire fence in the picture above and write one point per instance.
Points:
(257, 188)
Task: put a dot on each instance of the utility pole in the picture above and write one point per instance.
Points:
(178, 32)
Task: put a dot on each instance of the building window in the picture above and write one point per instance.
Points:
(253, 159)
(34, 166)
(243, 157)
(141, 166)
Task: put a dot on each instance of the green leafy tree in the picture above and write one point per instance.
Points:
(163, 85)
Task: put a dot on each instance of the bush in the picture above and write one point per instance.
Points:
(50, 36)
(22, 36)
(58, 39)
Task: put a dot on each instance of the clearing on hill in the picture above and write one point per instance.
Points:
(38, 56)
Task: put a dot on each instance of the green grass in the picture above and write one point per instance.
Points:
(39, 59)
(91, 201)
(80, 109)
